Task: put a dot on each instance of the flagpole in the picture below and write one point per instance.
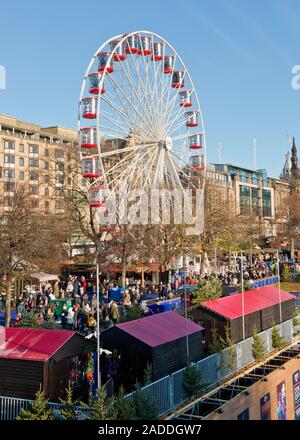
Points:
(243, 299)
(279, 289)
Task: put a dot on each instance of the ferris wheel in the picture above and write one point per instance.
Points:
(139, 120)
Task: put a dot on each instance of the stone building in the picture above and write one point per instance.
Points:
(37, 156)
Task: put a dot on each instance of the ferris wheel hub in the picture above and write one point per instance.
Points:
(166, 143)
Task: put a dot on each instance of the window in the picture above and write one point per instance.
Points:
(59, 179)
(59, 204)
(34, 163)
(59, 192)
(59, 154)
(34, 176)
(21, 175)
(9, 174)
(267, 208)
(46, 165)
(9, 186)
(34, 189)
(9, 159)
(59, 167)
(8, 201)
(34, 203)
(33, 149)
(244, 199)
(21, 161)
(46, 178)
(254, 200)
(21, 148)
(46, 206)
(9, 145)
(46, 191)
(69, 156)
(47, 152)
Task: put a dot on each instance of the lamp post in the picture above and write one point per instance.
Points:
(279, 289)
(98, 327)
(185, 312)
(243, 298)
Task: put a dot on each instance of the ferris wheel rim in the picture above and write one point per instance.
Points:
(121, 39)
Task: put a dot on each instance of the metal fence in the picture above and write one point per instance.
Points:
(168, 392)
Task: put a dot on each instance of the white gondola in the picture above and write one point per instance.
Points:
(144, 46)
(192, 119)
(119, 51)
(90, 167)
(168, 63)
(95, 78)
(132, 45)
(198, 162)
(157, 50)
(103, 64)
(96, 196)
(196, 141)
(88, 137)
(185, 97)
(178, 79)
(89, 107)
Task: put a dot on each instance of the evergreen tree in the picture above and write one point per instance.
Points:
(148, 374)
(125, 408)
(145, 404)
(29, 319)
(277, 340)
(285, 274)
(228, 343)
(208, 289)
(38, 410)
(258, 346)
(101, 407)
(215, 346)
(49, 324)
(192, 382)
(69, 409)
(133, 312)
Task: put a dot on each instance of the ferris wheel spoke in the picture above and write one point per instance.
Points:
(125, 117)
(116, 87)
(147, 112)
(124, 150)
(150, 170)
(172, 102)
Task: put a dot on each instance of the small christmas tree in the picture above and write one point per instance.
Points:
(228, 343)
(285, 274)
(258, 346)
(133, 312)
(215, 346)
(101, 407)
(69, 409)
(144, 404)
(277, 340)
(148, 374)
(125, 409)
(38, 410)
(192, 382)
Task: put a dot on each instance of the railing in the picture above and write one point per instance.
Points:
(168, 392)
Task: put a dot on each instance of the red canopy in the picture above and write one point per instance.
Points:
(31, 344)
(159, 329)
(231, 306)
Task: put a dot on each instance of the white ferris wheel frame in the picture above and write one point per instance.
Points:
(123, 38)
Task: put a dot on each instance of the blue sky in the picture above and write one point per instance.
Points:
(239, 52)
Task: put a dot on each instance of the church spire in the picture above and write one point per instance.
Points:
(294, 156)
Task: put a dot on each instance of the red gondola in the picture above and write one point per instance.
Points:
(196, 141)
(89, 107)
(157, 51)
(88, 137)
(168, 63)
(94, 79)
(185, 98)
(131, 46)
(90, 167)
(118, 55)
(191, 119)
(103, 64)
(178, 79)
(198, 162)
(144, 46)
(96, 196)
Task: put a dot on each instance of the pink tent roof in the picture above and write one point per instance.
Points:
(257, 299)
(159, 329)
(31, 344)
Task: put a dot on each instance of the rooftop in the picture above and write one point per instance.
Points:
(159, 329)
(31, 344)
(230, 307)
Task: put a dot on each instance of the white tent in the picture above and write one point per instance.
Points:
(42, 276)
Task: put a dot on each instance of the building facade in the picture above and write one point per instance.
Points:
(39, 157)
